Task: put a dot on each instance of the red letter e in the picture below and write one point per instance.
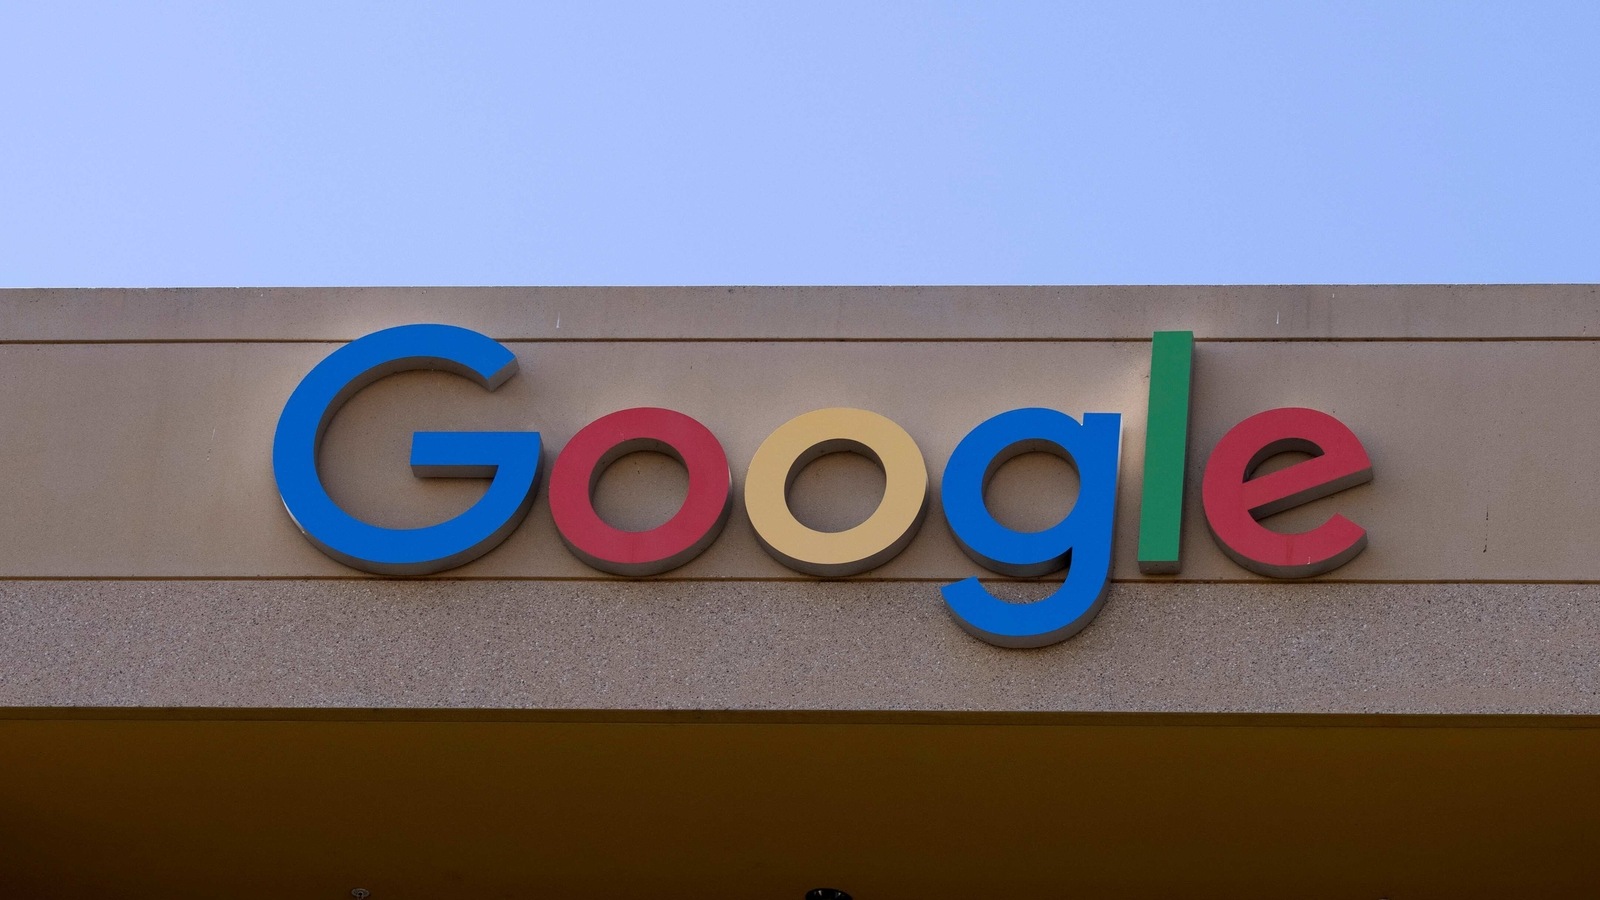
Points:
(1234, 500)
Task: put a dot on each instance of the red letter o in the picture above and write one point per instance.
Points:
(600, 443)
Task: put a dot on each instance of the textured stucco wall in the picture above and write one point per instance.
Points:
(147, 560)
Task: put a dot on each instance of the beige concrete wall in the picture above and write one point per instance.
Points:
(147, 560)
(1278, 648)
(1261, 312)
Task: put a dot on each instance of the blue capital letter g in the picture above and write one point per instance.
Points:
(510, 457)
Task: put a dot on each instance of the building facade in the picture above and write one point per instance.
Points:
(200, 697)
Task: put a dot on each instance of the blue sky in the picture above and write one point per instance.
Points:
(335, 143)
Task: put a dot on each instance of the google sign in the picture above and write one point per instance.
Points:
(1234, 495)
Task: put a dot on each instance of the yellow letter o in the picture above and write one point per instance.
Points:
(804, 438)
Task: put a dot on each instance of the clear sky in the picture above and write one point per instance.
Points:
(334, 143)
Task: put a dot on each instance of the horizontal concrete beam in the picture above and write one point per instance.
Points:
(1270, 312)
(1268, 648)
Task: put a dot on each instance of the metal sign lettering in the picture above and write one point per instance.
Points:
(1235, 497)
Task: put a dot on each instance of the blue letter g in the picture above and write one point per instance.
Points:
(511, 458)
